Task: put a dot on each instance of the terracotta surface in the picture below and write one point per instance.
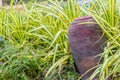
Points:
(85, 43)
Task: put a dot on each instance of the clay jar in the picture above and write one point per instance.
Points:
(85, 43)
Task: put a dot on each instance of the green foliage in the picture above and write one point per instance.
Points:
(35, 45)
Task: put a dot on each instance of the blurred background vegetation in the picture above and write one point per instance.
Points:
(7, 2)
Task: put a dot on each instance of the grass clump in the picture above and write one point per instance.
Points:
(35, 45)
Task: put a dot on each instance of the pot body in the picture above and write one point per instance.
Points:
(85, 42)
